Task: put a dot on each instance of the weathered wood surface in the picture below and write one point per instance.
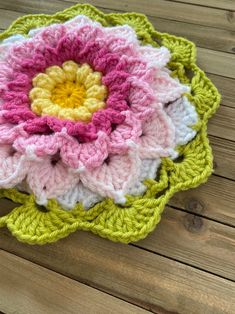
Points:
(149, 280)
(39, 290)
(187, 265)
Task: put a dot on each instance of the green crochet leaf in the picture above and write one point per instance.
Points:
(35, 225)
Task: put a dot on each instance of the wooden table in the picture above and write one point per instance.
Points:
(187, 264)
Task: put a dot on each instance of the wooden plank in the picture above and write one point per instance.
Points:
(220, 4)
(32, 6)
(149, 280)
(199, 34)
(194, 240)
(222, 123)
(28, 288)
(188, 13)
(225, 86)
(7, 17)
(216, 62)
(224, 156)
(214, 199)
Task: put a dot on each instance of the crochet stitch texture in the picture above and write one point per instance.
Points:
(102, 120)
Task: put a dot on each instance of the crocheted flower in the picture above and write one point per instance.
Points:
(89, 104)
(95, 110)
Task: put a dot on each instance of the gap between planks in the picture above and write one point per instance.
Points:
(27, 284)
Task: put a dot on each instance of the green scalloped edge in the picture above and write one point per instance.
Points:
(140, 215)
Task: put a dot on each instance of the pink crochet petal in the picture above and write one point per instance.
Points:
(137, 67)
(6, 75)
(9, 133)
(4, 50)
(87, 32)
(39, 145)
(167, 89)
(50, 35)
(13, 167)
(140, 96)
(104, 119)
(129, 131)
(114, 176)
(88, 155)
(156, 57)
(22, 51)
(123, 32)
(158, 137)
(50, 178)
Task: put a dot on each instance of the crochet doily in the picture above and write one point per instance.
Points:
(102, 120)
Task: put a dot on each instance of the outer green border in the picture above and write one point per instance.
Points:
(140, 215)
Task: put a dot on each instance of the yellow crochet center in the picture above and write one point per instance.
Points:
(71, 92)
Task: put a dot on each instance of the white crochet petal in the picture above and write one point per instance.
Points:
(13, 39)
(79, 194)
(13, 167)
(166, 88)
(183, 116)
(80, 21)
(148, 170)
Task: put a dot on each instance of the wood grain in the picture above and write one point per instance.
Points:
(184, 12)
(7, 17)
(214, 199)
(199, 34)
(224, 156)
(222, 124)
(223, 19)
(39, 290)
(149, 280)
(220, 4)
(225, 86)
(213, 246)
(216, 62)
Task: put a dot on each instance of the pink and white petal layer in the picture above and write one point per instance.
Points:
(13, 167)
(114, 177)
(184, 116)
(48, 181)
